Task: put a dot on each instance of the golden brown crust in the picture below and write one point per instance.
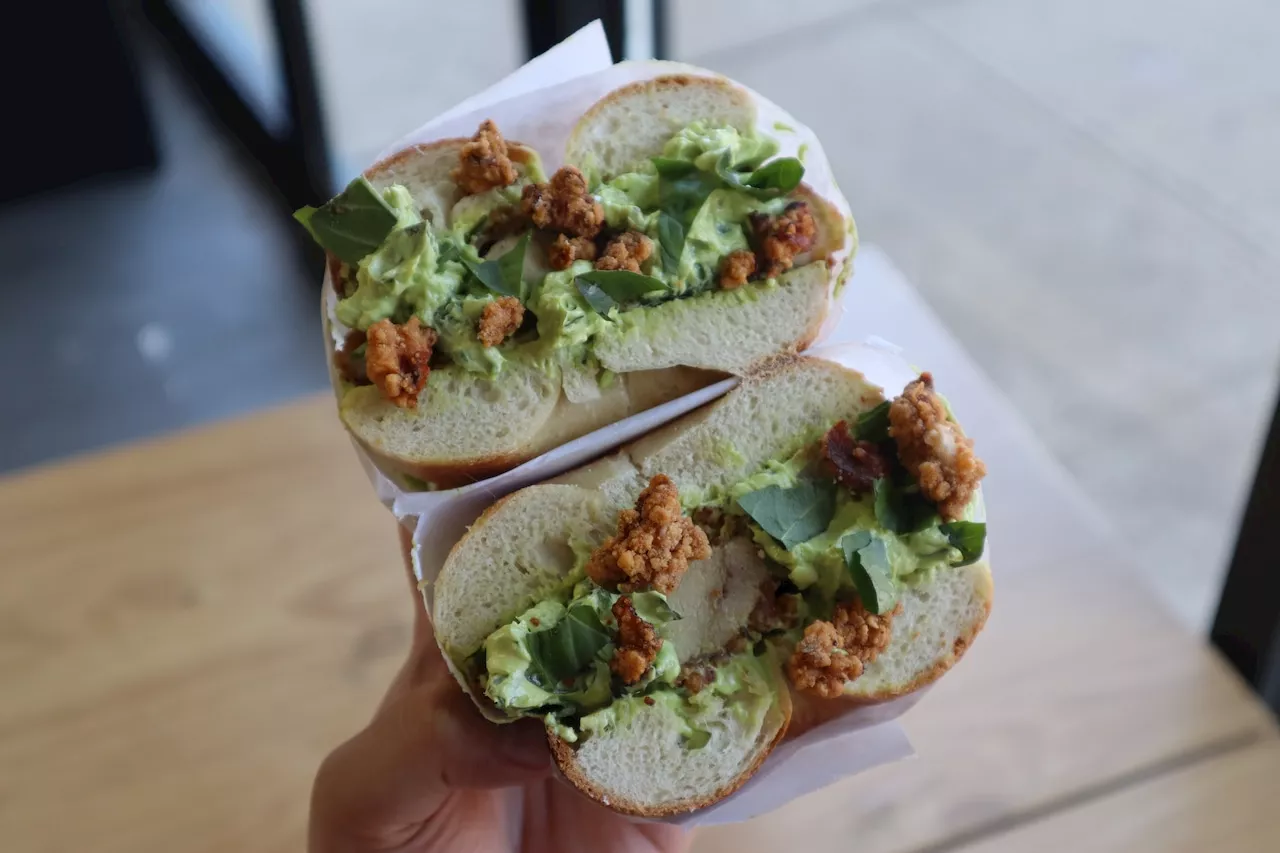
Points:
(654, 544)
(397, 359)
(637, 645)
(564, 250)
(934, 449)
(779, 239)
(627, 251)
(563, 204)
(736, 268)
(500, 320)
(483, 163)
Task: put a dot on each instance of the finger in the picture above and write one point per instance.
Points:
(425, 743)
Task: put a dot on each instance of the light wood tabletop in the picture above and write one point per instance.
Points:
(188, 625)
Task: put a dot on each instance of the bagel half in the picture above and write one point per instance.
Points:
(535, 556)
(471, 423)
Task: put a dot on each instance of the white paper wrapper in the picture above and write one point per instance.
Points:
(538, 105)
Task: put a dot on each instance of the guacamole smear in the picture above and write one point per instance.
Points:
(446, 262)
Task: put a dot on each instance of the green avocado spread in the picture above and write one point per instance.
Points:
(402, 257)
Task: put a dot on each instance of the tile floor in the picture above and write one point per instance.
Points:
(1085, 192)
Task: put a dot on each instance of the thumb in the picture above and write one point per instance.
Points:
(428, 741)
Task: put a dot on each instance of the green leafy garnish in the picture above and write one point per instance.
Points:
(564, 650)
(353, 223)
(771, 180)
(696, 739)
(792, 515)
(969, 537)
(901, 508)
(623, 285)
(873, 425)
(670, 241)
(599, 300)
(504, 275)
(652, 607)
(867, 558)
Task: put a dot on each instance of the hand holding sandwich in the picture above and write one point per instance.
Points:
(428, 773)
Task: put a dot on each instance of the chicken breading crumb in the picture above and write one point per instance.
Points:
(626, 252)
(933, 449)
(833, 653)
(736, 268)
(397, 359)
(350, 369)
(564, 250)
(694, 677)
(483, 162)
(654, 544)
(854, 463)
(780, 238)
(563, 204)
(637, 646)
(499, 320)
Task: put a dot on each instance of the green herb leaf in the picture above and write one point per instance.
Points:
(873, 425)
(792, 515)
(777, 177)
(351, 224)
(697, 739)
(623, 285)
(567, 648)
(670, 242)
(682, 188)
(867, 557)
(502, 275)
(599, 300)
(652, 607)
(970, 537)
(902, 509)
(771, 180)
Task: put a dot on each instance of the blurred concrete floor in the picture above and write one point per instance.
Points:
(1085, 192)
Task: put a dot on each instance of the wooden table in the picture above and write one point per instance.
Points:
(187, 626)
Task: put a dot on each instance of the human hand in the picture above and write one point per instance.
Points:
(429, 773)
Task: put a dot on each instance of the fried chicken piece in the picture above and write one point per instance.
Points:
(563, 204)
(736, 268)
(694, 677)
(348, 368)
(654, 543)
(626, 252)
(483, 162)
(773, 612)
(637, 646)
(933, 448)
(780, 238)
(832, 653)
(854, 463)
(565, 250)
(499, 320)
(396, 359)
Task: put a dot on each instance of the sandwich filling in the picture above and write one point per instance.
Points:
(823, 542)
(521, 267)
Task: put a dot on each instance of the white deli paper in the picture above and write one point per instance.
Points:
(538, 105)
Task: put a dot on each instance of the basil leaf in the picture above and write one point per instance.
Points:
(670, 242)
(502, 275)
(902, 509)
(777, 177)
(682, 188)
(873, 425)
(970, 537)
(565, 649)
(351, 224)
(792, 515)
(696, 739)
(652, 607)
(867, 558)
(623, 285)
(599, 300)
